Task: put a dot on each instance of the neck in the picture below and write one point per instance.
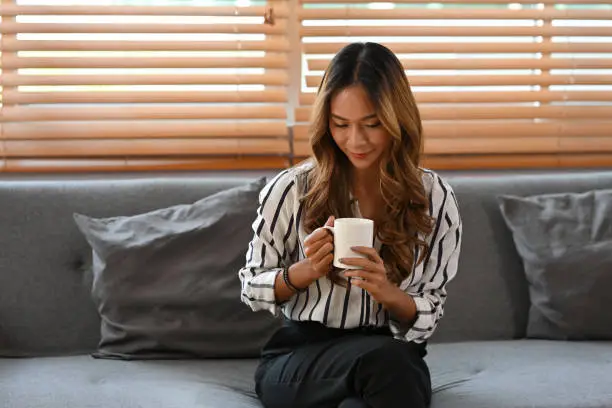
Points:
(364, 180)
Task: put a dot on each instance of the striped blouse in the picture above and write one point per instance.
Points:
(278, 242)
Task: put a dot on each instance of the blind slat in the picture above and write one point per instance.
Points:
(459, 113)
(537, 144)
(431, 31)
(506, 2)
(587, 144)
(271, 44)
(137, 164)
(112, 28)
(81, 113)
(491, 161)
(499, 96)
(435, 146)
(442, 162)
(459, 13)
(280, 10)
(513, 161)
(519, 131)
(320, 64)
(273, 78)
(516, 161)
(14, 97)
(460, 146)
(585, 160)
(269, 61)
(142, 147)
(307, 98)
(493, 80)
(142, 129)
(471, 47)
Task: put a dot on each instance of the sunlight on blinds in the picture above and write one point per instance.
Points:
(88, 84)
(499, 83)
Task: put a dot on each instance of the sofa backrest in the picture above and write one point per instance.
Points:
(45, 305)
(488, 300)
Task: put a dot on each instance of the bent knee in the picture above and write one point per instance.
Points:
(385, 347)
(390, 355)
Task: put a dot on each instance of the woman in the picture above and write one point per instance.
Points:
(349, 342)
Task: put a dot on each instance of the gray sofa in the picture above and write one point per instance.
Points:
(479, 356)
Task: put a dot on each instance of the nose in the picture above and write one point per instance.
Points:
(356, 137)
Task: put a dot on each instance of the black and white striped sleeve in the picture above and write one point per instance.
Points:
(272, 244)
(438, 268)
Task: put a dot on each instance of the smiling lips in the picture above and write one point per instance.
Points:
(359, 155)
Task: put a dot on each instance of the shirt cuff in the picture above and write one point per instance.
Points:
(423, 324)
(260, 292)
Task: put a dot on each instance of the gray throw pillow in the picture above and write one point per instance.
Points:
(565, 241)
(165, 282)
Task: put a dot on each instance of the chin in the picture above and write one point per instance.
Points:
(363, 164)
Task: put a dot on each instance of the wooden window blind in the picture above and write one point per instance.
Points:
(499, 83)
(140, 84)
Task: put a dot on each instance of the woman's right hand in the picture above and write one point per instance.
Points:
(319, 250)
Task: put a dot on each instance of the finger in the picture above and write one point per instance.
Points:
(364, 284)
(330, 221)
(360, 273)
(325, 250)
(313, 248)
(369, 252)
(325, 263)
(362, 263)
(316, 235)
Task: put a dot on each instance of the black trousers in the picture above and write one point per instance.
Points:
(308, 365)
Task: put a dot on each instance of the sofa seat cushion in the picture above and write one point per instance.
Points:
(521, 374)
(496, 374)
(85, 382)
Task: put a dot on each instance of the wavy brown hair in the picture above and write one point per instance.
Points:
(406, 213)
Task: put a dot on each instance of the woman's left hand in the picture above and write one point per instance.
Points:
(372, 273)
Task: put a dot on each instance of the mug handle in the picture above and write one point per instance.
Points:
(331, 229)
(333, 232)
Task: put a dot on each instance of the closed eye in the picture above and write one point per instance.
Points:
(340, 125)
(373, 125)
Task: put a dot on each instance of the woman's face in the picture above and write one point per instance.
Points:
(356, 129)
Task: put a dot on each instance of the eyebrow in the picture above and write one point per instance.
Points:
(370, 116)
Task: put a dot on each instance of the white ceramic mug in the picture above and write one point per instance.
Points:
(349, 232)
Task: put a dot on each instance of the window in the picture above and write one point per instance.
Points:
(499, 84)
(91, 85)
(180, 84)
